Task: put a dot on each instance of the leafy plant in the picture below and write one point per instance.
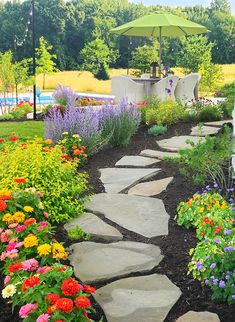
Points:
(76, 233)
(157, 130)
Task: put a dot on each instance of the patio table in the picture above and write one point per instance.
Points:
(147, 82)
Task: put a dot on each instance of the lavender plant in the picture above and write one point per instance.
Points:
(65, 96)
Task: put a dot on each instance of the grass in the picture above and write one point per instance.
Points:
(87, 83)
(27, 129)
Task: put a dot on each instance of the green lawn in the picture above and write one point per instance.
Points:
(29, 129)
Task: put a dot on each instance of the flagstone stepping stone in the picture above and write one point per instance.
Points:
(137, 299)
(151, 188)
(192, 316)
(218, 123)
(94, 262)
(143, 215)
(118, 180)
(135, 161)
(203, 131)
(159, 154)
(95, 227)
(176, 143)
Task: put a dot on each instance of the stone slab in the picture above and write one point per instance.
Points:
(176, 143)
(117, 180)
(138, 299)
(204, 130)
(151, 188)
(218, 123)
(95, 227)
(159, 154)
(95, 262)
(135, 161)
(143, 215)
(192, 316)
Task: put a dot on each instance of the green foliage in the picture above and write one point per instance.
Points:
(157, 130)
(212, 76)
(27, 129)
(61, 185)
(76, 233)
(167, 112)
(21, 110)
(143, 56)
(210, 113)
(207, 159)
(6, 117)
(227, 91)
(6, 71)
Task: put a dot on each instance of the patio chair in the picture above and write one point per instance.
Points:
(185, 89)
(145, 76)
(125, 87)
(165, 88)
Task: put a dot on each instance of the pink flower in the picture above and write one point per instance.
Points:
(43, 318)
(13, 254)
(30, 264)
(7, 279)
(11, 246)
(42, 225)
(3, 256)
(19, 245)
(9, 232)
(1, 230)
(44, 269)
(26, 310)
(21, 228)
(14, 225)
(4, 238)
(13, 240)
(46, 215)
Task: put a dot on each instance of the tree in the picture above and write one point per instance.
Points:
(96, 57)
(143, 56)
(220, 5)
(44, 60)
(21, 74)
(6, 72)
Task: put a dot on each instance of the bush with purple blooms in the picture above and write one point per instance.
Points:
(65, 96)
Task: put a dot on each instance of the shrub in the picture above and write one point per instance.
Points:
(65, 96)
(167, 112)
(119, 123)
(210, 113)
(157, 130)
(206, 160)
(6, 117)
(45, 170)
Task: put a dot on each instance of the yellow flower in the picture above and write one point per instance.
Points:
(58, 252)
(19, 217)
(30, 241)
(65, 133)
(8, 291)
(224, 205)
(38, 139)
(76, 136)
(201, 210)
(6, 193)
(44, 249)
(48, 141)
(28, 209)
(8, 218)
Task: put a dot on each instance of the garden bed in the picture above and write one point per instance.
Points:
(174, 247)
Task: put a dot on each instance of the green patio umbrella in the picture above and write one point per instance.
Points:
(159, 25)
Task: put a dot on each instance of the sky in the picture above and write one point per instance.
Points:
(180, 3)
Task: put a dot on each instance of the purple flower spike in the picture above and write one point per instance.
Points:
(227, 232)
(206, 282)
(217, 240)
(213, 265)
(216, 185)
(222, 284)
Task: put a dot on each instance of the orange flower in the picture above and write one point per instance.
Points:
(3, 205)
(19, 180)
(84, 155)
(30, 221)
(76, 152)
(74, 147)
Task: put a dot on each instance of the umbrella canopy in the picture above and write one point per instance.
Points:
(159, 25)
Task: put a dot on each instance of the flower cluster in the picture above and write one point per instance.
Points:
(72, 148)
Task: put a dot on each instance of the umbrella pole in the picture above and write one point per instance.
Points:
(160, 52)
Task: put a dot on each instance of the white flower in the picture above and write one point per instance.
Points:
(8, 291)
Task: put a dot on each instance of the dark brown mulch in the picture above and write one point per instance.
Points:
(174, 247)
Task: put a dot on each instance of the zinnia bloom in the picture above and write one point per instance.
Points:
(8, 291)
(43, 318)
(44, 249)
(15, 267)
(7, 279)
(89, 289)
(30, 264)
(20, 229)
(30, 221)
(28, 209)
(3, 205)
(30, 241)
(30, 282)
(58, 252)
(13, 138)
(70, 287)
(19, 180)
(52, 298)
(26, 310)
(19, 217)
(64, 305)
(82, 302)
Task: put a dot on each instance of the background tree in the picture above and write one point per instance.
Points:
(45, 60)
(21, 75)
(6, 72)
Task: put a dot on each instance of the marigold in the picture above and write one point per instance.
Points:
(3, 205)
(30, 221)
(58, 252)
(30, 282)
(82, 302)
(52, 298)
(28, 209)
(19, 180)
(19, 217)
(30, 241)
(70, 287)
(64, 305)
(44, 249)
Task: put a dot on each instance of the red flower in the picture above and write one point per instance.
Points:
(218, 229)
(15, 267)
(211, 222)
(89, 289)
(82, 302)
(51, 309)
(3, 205)
(74, 147)
(6, 197)
(30, 282)
(52, 298)
(206, 219)
(2, 140)
(59, 321)
(60, 269)
(30, 221)
(64, 305)
(70, 287)
(13, 138)
(20, 180)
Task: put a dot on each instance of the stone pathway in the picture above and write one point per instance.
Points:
(204, 130)
(128, 209)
